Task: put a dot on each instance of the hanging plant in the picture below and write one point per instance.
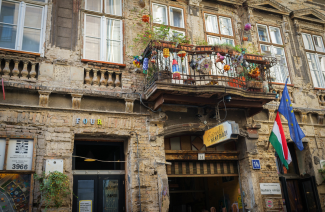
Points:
(54, 188)
(247, 27)
(245, 38)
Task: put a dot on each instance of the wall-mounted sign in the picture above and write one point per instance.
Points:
(269, 203)
(2, 152)
(270, 188)
(20, 154)
(92, 121)
(256, 164)
(201, 156)
(220, 133)
(85, 206)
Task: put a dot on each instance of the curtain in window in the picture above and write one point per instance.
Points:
(8, 24)
(113, 7)
(307, 41)
(211, 23)
(32, 29)
(176, 17)
(114, 48)
(275, 35)
(92, 37)
(225, 26)
(159, 14)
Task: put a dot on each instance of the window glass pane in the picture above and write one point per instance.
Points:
(113, 7)
(86, 189)
(212, 40)
(92, 26)
(176, 17)
(322, 70)
(31, 40)
(225, 26)
(307, 41)
(94, 5)
(2, 152)
(175, 143)
(317, 70)
(211, 23)
(113, 29)
(275, 35)
(9, 12)
(175, 33)
(110, 195)
(33, 17)
(262, 33)
(114, 51)
(279, 72)
(228, 41)
(92, 48)
(7, 36)
(159, 14)
(266, 49)
(319, 45)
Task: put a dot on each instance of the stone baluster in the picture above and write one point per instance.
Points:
(110, 79)
(32, 73)
(15, 70)
(24, 72)
(87, 78)
(103, 81)
(6, 70)
(95, 78)
(117, 80)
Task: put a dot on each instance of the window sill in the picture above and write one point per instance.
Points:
(21, 52)
(279, 83)
(320, 89)
(103, 62)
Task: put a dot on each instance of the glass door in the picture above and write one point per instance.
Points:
(94, 193)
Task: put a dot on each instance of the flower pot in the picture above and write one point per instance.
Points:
(238, 82)
(254, 84)
(204, 48)
(186, 47)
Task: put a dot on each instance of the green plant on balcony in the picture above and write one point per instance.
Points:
(322, 172)
(54, 188)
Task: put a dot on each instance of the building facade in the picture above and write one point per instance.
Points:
(131, 138)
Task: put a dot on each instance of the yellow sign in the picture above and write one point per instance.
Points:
(240, 204)
(222, 132)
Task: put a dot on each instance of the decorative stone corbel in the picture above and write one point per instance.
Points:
(271, 115)
(129, 103)
(195, 2)
(297, 26)
(44, 98)
(76, 100)
(303, 116)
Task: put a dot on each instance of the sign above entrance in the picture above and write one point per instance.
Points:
(220, 133)
(270, 188)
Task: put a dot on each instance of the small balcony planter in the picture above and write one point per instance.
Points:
(204, 48)
(253, 57)
(238, 82)
(185, 47)
(165, 44)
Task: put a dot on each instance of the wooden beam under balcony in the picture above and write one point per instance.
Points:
(193, 155)
(161, 92)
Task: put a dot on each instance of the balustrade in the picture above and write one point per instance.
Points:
(19, 69)
(102, 78)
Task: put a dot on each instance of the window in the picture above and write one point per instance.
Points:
(275, 35)
(316, 58)
(307, 41)
(159, 14)
(22, 26)
(176, 17)
(212, 40)
(280, 71)
(211, 23)
(225, 26)
(263, 34)
(103, 38)
(317, 67)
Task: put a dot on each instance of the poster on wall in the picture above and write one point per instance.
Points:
(14, 192)
(20, 154)
(85, 206)
(2, 152)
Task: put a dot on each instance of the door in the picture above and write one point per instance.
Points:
(99, 193)
(310, 194)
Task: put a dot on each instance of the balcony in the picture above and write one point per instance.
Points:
(202, 75)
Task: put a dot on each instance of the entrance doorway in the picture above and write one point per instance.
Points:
(197, 194)
(98, 176)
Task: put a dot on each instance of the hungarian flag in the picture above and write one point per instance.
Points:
(278, 141)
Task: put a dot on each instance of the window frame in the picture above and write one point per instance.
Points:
(315, 36)
(169, 16)
(21, 25)
(267, 33)
(167, 13)
(312, 42)
(103, 34)
(212, 34)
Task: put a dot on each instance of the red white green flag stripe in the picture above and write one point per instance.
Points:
(278, 141)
